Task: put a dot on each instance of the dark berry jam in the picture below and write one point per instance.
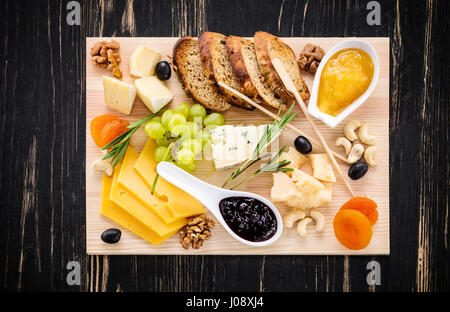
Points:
(249, 218)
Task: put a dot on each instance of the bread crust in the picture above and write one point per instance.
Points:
(182, 50)
(205, 41)
(234, 48)
(265, 46)
(209, 48)
(245, 66)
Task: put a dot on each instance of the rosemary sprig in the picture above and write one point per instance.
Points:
(120, 144)
(272, 166)
(169, 148)
(272, 131)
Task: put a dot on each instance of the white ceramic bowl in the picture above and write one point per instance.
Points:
(329, 120)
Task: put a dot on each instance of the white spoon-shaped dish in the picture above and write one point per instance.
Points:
(210, 196)
(329, 120)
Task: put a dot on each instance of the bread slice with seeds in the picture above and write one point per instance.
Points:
(246, 68)
(188, 65)
(217, 66)
(269, 47)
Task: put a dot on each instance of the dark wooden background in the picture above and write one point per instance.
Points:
(42, 146)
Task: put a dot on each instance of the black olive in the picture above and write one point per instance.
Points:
(303, 145)
(111, 236)
(163, 70)
(357, 170)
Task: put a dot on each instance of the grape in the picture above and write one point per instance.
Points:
(177, 130)
(155, 129)
(194, 146)
(198, 111)
(177, 119)
(185, 157)
(207, 151)
(191, 129)
(206, 134)
(214, 119)
(163, 141)
(161, 154)
(183, 109)
(189, 168)
(156, 119)
(166, 116)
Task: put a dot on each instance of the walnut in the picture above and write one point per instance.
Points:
(310, 58)
(195, 232)
(105, 54)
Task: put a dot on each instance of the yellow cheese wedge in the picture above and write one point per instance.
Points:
(322, 169)
(143, 62)
(119, 95)
(133, 182)
(153, 93)
(123, 198)
(179, 202)
(120, 216)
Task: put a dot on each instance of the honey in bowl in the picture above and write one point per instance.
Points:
(345, 77)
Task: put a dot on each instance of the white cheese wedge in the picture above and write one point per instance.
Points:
(143, 62)
(119, 95)
(322, 169)
(232, 145)
(153, 93)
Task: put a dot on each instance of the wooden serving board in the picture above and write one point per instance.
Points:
(374, 185)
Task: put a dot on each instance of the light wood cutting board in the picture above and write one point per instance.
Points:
(374, 185)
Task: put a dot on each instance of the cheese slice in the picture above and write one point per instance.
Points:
(180, 203)
(119, 95)
(120, 216)
(153, 93)
(134, 183)
(123, 198)
(143, 62)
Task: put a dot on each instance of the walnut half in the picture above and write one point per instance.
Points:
(105, 54)
(195, 232)
(310, 58)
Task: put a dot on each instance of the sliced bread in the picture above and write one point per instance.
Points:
(246, 68)
(217, 66)
(188, 65)
(268, 47)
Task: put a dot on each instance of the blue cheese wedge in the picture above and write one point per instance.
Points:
(232, 145)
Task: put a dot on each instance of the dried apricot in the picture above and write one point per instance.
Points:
(97, 125)
(112, 130)
(364, 205)
(352, 229)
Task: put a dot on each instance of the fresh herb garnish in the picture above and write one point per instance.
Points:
(169, 148)
(272, 131)
(272, 166)
(120, 144)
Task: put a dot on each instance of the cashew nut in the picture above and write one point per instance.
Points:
(319, 219)
(356, 153)
(345, 143)
(369, 156)
(364, 135)
(302, 224)
(293, 217)
(349, 129)
(103, 166)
